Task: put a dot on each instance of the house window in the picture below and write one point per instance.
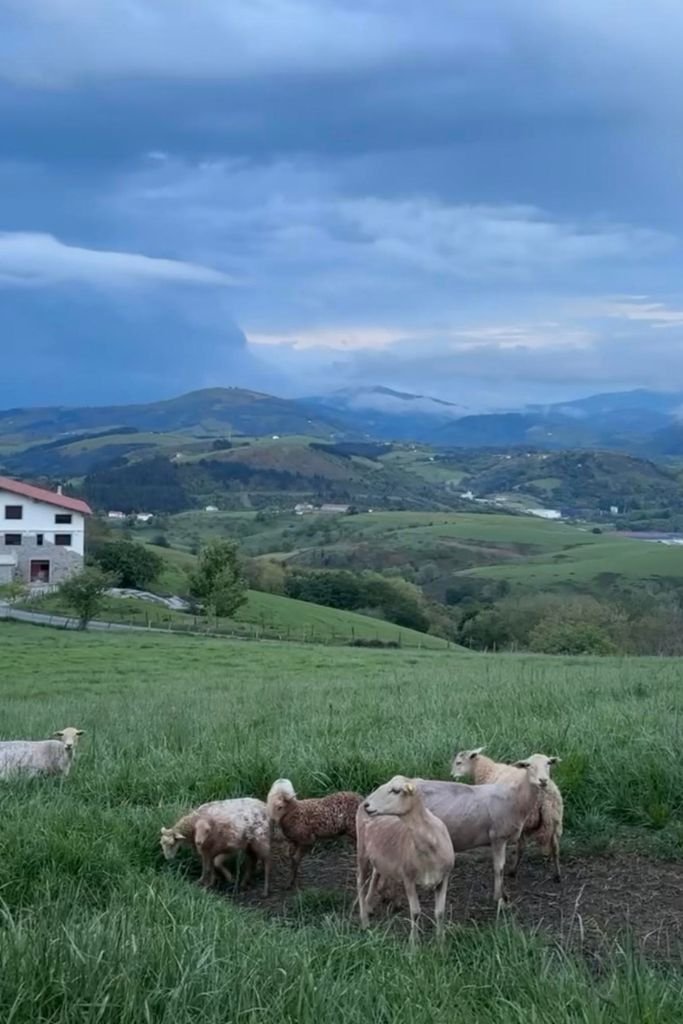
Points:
(39, 540)
(13, 539)
(63, 518)
(63, 540)
(39, 571)
(14, 511)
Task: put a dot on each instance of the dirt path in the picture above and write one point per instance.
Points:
(599, 901)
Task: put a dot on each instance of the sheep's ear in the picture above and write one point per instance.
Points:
(409, 788)
(60, 733)
(476, 752)
(521, 764)
(79, 732)
(554, 760)
(178, 835)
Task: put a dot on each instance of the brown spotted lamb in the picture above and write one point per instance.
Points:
(217, 831)
(544, 826)
(304, 822)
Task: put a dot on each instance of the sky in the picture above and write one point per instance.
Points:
(480, 201)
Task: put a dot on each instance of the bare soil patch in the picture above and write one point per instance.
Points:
(600, 900)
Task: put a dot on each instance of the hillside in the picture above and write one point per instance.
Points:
(641, 422)
(171, 722)
(582, 480)
(269, 616)
(213, 412)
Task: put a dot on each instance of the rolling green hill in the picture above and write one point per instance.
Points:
(212, 411)
(264, 615)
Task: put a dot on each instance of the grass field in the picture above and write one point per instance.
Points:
(633, 559)
(267, 615)
(96, 927)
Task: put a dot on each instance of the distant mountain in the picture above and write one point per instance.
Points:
(389, 415)
(213, 411)
(640, 421)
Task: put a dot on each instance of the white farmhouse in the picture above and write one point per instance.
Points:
(42, 533)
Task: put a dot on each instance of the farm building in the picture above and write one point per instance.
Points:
(42, 533)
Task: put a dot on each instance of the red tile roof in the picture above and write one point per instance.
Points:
(40, 494)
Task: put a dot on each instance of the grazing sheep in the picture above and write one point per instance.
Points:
(404, 842)
(303, 822)
(489, 815)
(544, 826)
(39, 757)
(220, 829)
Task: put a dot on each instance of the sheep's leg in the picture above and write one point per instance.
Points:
(415, 909)
(521, 844)
(250, 860)
(498, 852)
(440, 905)
(361, 880)
(219, 864)
(555, 847)
(296, 854)
(370, 896)
(262, 851)
(208, 876)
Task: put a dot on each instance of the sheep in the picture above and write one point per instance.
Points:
(221, 828)
(40, 757)
(303, 822)
(402, 841)
(489, 815)
(544, 826)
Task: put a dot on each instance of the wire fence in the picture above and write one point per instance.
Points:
(196, 626)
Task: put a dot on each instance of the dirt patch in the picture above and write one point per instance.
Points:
(599, 901)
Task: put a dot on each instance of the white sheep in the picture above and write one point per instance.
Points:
(402, 841)
(39, 757)
(220, 829)
(545, 824)
(489, 815)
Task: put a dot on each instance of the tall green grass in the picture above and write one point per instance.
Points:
(96, 927)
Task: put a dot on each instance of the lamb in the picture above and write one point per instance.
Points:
(220, 829)
(402, 841)
(39, 757)
(544, 826)
(303, 822)
(491, 814)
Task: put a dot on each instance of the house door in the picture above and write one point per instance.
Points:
(40, 571)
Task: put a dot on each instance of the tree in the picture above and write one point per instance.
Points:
(13, 591)
(84, 593)
(132, 564)
(217, 582)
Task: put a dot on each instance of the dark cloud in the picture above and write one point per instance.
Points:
(378, 169)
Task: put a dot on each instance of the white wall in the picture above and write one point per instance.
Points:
(39, 517)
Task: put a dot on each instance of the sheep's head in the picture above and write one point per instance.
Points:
(69, 737)
(170, 841)
(279, 798)
(395, 797)
(463, 762)
(538, 768)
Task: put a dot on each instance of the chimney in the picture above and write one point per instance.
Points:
(59, 488)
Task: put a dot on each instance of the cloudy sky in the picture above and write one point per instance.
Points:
(477, 200)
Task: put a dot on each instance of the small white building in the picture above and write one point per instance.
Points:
(211, 508)
(144, 517)
(116, 515)
(544, 513)
(42, 533)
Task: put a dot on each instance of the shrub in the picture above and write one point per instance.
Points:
(84, 593)
(131, 564)
(218, 582)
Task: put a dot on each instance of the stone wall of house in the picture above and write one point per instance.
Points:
(63, 561)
